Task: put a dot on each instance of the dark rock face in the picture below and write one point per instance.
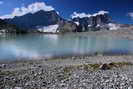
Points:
(10, 28)
(40, 18)
(2, 24)
(4, 27)
(102, 19)
(92, 23)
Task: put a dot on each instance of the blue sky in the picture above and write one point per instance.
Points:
(118, 9)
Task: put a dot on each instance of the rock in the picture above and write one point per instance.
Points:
(40, 18)
(18, 88)
(104, 67)
(2, 65)
(67, 26)
(93, 23)
(54, 77)
(130, 87)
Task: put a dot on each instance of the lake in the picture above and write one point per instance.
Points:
(37, 46)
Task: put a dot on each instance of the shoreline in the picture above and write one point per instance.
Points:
(73, 57)
(124, 33)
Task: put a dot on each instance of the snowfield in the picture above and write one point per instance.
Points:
(50, 28)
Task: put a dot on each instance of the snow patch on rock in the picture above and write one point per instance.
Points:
(113, 26)
(77, 23)
(89, 25)
(50, 28)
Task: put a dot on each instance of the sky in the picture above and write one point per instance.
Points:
(120, 10)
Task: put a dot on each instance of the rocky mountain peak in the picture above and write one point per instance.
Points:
(94, 21)
(40, 18)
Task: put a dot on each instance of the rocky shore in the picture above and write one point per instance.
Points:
(98, 72)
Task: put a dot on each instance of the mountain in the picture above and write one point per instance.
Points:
(94, 22)
(51, 22)
(41, 21)
(40, 18)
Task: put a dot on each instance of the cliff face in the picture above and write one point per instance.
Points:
(92, 23)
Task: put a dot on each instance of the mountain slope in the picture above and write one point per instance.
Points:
(41, 21)
(40, 18)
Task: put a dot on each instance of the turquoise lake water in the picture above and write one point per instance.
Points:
(41, 46)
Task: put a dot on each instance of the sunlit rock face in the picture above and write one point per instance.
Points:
(67, 26)
(91, 22)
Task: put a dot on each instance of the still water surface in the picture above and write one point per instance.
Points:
(39, 46)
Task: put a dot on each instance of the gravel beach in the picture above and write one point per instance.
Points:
(69, 73)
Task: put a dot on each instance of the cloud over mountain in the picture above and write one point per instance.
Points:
(32, 8)
(82, 15)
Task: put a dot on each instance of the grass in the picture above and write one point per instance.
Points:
(97, 66)
(7, 73)
(120, 64)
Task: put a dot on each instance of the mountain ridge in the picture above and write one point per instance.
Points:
(41, 20)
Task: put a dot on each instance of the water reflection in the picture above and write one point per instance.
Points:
(36, 46)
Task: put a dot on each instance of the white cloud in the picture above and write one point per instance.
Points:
(82, 15)
(32, 8)
(1, 2)
(100, 13)
(130, 14)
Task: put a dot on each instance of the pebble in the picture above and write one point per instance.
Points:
(18, 88)
(56, 78)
